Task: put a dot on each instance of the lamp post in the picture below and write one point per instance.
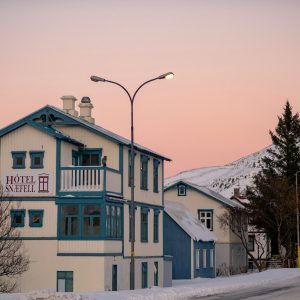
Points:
(297, 210)
(168, 75)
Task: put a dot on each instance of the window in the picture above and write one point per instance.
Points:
(64, 281)
(197, 259)
(130, 221)
(113, 221)
(129, 166)
(251, 239)
(80, 221)
(144, 225)
(181, 190)
(114, 285)
(18, 159)
(204, 258)
(144, 172)
(156, 226)
(211, 258)
(206, 217)
(144, 275)
(36, 218)
(17, 217)
(155, 175)
(36, 159)
(91, 220)
(43, 183)
(156, 273)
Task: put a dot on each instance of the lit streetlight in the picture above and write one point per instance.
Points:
(94, 78)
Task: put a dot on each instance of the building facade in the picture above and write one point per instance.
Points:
(69, 180)
(191, 244)
(207, 206)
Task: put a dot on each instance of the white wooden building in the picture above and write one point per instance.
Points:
(72, 180)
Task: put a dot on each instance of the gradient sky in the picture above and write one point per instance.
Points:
(235, 65)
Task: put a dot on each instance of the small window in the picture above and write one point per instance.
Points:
(204, 258)
(197, 254)
(18, 159)
(36, 159)
(251, 239)
(64, 281)
(144, 275)
(155, 175)
(144, 225)
(36, 218)
(156, 226)
(17, 217)
(144, 172)
(181, 190)
(212, 258)
(206, 218)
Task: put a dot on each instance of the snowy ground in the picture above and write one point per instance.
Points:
(182, 289)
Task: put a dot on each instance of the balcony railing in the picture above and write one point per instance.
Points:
(89, 179)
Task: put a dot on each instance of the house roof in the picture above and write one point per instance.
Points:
(206, 191)
(77, 121)
(188, 222)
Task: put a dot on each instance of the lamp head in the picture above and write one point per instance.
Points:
(168, 75)
(97, 79)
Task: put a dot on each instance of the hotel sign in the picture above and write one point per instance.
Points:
(27, 183)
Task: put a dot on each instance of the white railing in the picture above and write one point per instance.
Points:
(73, 179)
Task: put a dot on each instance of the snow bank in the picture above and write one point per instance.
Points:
(182, 289)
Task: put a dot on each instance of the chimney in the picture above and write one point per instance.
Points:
(69, 105)
(86, 110)
(236, 192)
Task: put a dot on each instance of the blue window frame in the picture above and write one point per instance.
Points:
(144, 224)
(17, 217)
(156, 226)
(36, 217)
(87, 157)
(181, 190)
(206, 218)
(37, 159)
(80, 221)
(64, 281)
(19, 158)
(155, 175)
(144, 172)
(113, 222)
(144, 275)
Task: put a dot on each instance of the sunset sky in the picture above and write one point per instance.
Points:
(235, 65)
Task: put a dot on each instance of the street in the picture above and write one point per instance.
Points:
(287, 290)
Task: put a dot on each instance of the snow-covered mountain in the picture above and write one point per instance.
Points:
(224, 179)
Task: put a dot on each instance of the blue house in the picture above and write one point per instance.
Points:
(190, 243)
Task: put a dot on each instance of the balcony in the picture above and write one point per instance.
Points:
(90, 179)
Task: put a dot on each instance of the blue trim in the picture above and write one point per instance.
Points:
(15, 156)
(156, 226)
(144, 274)
(80, 200)
(36, 212)
(144, 225)
(90, 254)
(17, 213)
(155, 175)
(58, 165)
(121, 166)
(181, 190)
(68, 276)
(36, 154)
(144, 172)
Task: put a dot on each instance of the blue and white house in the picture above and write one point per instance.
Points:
(191, 244)
(71, 178)
(207, 205)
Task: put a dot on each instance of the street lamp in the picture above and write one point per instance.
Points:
(297, 210)
(94, 78)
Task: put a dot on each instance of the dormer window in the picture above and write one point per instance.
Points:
(18, 159)
(181, 190)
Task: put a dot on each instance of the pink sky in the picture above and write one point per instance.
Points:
(235, 64)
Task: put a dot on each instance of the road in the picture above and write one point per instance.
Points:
(289, 290)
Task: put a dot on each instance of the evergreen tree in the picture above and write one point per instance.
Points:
(272, 197)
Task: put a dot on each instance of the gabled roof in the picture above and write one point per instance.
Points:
(206, 191)
(188, 222)
(77, 121)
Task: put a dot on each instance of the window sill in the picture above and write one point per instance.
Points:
(36, 167)
(15, 167)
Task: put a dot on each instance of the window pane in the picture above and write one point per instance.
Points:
(74, 225)
(208, 223)
(108, 219)
(36, 219)
(70, 209)
(86, 225)
(91, 210)
(19, 161)
(96, 226)
(94, 160)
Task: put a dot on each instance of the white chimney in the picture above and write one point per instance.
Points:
(86, 110)
(69, 105)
